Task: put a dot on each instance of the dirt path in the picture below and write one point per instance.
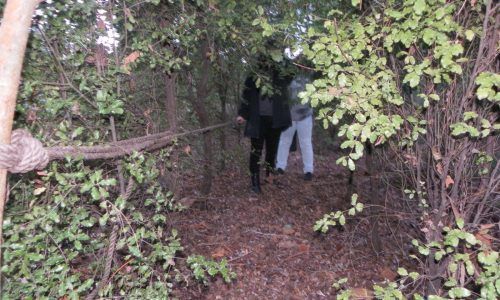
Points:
(269, 240)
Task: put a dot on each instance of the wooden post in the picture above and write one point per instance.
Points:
(14, 33)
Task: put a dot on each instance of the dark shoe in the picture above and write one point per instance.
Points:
(256, 183)
(280, 171)
(308, 176)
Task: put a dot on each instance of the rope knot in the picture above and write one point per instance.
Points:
(23, 154)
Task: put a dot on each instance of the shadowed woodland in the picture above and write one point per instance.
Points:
(123, 174)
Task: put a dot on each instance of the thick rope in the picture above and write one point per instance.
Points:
(25, 153)
(111, 248)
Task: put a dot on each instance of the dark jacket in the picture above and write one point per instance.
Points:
(249, 108)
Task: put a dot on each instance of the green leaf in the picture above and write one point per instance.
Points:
(459, 292)
(460, 223)
(342, 220)
(423, 250)
(468, 115)
(434, 97)
(469, 267)
(439, 255)
(134, 251)
(483, 92)
(95, 193)
(458, 128)
(78, 245)
(354, 199)
(417, 297)
(108, 182)
(260, 10)
(412, 78)
(276, 55)
(469, 35)
(402, 272)
(350, 164)
(488, 259)
(419, 7)
(342, 80)
(414, 275)
(470, 238)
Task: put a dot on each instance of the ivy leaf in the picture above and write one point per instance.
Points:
(419, 7)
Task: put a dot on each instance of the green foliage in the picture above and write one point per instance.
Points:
(47, 248)
(376, 66)
(338, 217)
(202, 266)
(360, 87)
(483, 161)
(473, 126)
(390, 291)
(465, 256)
(42, 244)
(389, 74)
(487, 84)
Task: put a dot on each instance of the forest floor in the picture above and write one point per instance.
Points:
(269, 241)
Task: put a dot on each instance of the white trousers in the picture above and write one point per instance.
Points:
(304, 133)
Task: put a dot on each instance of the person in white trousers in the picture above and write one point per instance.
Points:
(302, 123)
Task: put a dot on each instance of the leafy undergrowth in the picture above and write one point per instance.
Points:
(269, 242)
(229, 245)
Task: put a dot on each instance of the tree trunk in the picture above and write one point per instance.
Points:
(199, 105)
(170, 178)
(171, 101)
(14, 33)
(223, 119)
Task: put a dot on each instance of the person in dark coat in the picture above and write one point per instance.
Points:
(266, 116)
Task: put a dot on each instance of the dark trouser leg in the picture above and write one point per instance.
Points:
(255, 154)
(272, 141)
